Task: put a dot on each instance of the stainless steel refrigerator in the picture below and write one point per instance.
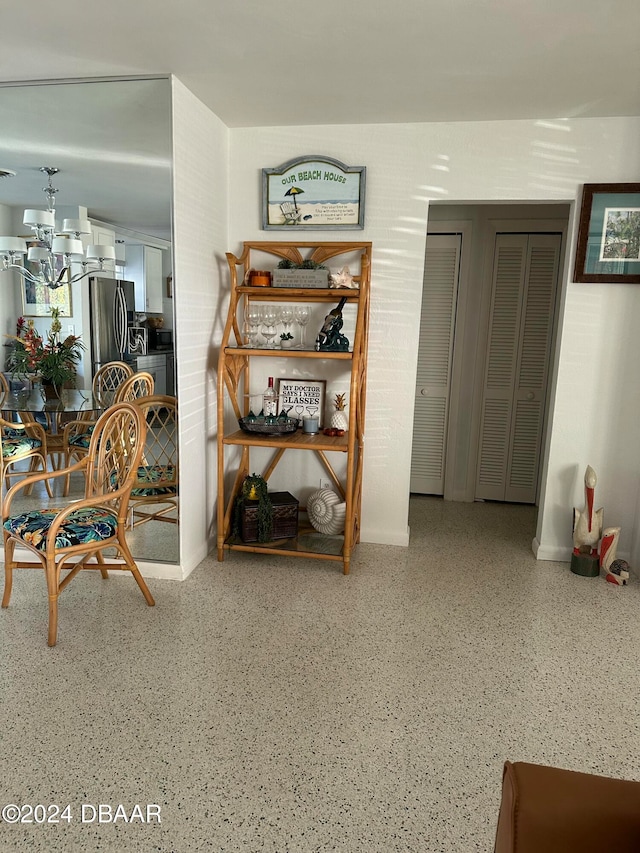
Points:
(112, 309)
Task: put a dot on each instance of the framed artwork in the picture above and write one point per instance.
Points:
(608, 249)
(315, 193)
(38, 299)
(302, 397)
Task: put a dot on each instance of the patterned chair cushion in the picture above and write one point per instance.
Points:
(10, 432)
(16, 447)
(152, 474)
(81, 527)
(81, 439)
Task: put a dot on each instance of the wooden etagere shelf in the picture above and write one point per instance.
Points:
(234, 370)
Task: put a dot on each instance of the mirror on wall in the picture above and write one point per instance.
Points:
(111, 141)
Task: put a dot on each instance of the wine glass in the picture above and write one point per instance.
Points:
(286, 317)
(302, 318)
(254, 321)
(269, 320)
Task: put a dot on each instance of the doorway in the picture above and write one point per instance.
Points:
(488, 312)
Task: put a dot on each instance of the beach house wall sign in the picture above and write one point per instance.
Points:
(314, 192)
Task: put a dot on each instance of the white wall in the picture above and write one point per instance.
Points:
(597, 404)
(9, 310)
(200, 155)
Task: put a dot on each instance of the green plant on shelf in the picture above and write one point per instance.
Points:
(288, 264)
(254, 488)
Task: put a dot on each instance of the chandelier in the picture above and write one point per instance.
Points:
(50, 261)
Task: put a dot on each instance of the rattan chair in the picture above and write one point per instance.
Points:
(19, 443)
(141, 384)
(154, 496)
(68, 539)
(76, 434)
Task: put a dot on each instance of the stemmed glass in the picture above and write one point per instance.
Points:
(254, 321)
(269, 320)
(302, 318)
(286, 317)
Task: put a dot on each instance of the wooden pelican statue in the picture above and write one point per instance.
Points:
(587, 525)
(616, 571)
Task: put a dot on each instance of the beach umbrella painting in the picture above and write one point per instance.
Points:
(293, 192)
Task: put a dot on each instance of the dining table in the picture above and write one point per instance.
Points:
(32, 406)
(70, 401)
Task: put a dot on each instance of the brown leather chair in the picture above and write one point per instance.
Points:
(548, 810)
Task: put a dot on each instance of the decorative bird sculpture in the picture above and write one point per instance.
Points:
(587, 525)
(616, 571)
(608, 547)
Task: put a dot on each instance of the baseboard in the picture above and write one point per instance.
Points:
(562, 553)
(377, 537)
(148, 569)
(556, 553)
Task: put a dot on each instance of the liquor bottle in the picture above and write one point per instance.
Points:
(269, 400)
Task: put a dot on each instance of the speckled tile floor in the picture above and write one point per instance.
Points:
(272, 704)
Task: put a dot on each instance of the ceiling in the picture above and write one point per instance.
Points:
(277, 63)
(259, 63)
(111, 142)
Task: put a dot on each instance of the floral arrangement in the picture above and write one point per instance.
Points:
(53, 360)
(286, 336)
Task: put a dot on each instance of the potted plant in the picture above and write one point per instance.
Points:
(53, 361)
(254, 488)
(308, 273)
(286, 340)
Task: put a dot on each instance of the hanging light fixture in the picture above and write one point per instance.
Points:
(53, 258)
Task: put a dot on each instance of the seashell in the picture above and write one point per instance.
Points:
(326, 512)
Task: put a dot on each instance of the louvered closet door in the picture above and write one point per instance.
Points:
(524, 284)
(439, 294)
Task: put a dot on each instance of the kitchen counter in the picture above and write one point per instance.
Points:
(161, 365)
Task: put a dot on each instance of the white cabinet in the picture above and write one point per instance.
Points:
(144, 268)
(156, 365)
(101, 236)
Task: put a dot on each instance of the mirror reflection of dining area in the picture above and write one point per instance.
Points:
(40, 436)
(87, 311)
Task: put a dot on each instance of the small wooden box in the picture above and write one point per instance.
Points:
(285, 517)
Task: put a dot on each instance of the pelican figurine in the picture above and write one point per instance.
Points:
(587, 525)
(616, 571)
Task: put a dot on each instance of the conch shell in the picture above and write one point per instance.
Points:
(326, 512)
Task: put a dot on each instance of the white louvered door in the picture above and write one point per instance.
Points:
(430, 421)
(525, 275)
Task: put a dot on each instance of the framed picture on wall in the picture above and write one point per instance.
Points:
(38, 299)
(608, 249)
(313, 192)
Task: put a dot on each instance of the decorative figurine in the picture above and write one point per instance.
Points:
(329, 338)
(587, 525)
(618, 572)
(339, 419)
(326, 512)
(587, 530)
(343, 279)
(608, 547)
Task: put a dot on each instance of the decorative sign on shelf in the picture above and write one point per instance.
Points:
(302, 398)
(314, 192)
